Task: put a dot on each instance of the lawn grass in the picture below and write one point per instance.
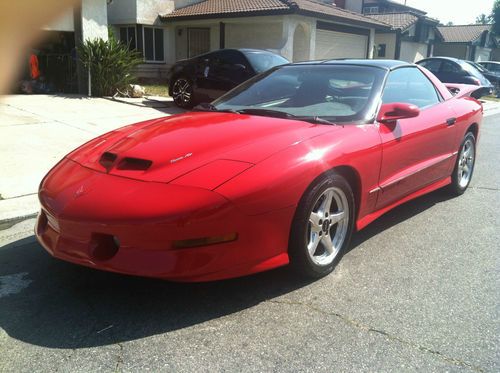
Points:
(491, 98)
(156, 89)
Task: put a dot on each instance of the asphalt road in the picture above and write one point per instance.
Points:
(419, 290)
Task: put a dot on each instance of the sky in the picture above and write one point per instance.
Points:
(459, 12)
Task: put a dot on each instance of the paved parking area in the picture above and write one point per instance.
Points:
(38, 130)
(418, 291)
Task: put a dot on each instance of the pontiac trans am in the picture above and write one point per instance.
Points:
(280, 170)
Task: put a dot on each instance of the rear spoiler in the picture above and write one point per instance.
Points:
(463, 90)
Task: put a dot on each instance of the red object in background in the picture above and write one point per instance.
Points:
(34, 68)
(212, 195)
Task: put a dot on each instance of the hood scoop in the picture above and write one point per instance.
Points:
(108, 161)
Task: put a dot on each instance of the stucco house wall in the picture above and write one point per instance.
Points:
(389, 40)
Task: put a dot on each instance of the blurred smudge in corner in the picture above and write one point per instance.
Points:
(21, 23)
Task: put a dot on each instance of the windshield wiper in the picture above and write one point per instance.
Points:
(317, 120)
(210, 107)
(267, 113)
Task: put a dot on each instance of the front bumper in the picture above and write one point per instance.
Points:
(127, 226)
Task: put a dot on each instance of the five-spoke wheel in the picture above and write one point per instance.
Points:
(464, 166)
(328, 223)
(322, 225)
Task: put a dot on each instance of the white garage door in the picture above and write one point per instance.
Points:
(333, 44)
(413, 52)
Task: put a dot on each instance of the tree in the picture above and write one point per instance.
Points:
(495, 16)
(483, 19)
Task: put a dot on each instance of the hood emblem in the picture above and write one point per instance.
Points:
(79, 192)
(181, 158)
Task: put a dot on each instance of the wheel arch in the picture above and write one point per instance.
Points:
(353, 178)
(474, 128)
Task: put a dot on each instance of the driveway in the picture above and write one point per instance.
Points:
(36, 131)
(418, 291)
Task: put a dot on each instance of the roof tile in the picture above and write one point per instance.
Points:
(227, 7)
(463, 33)
(399, 21)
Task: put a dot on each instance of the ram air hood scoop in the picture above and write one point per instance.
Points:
(174, 146)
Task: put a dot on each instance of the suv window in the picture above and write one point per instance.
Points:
(431, 65)
(228, 57)
(410, 85)
(450, 67)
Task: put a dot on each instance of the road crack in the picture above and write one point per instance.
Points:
(119, 359)
(394, 338)
(485, 188)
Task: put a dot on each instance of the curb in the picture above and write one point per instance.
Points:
(16, 209)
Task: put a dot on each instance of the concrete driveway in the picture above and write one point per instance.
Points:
(36, 131)
(418, 291)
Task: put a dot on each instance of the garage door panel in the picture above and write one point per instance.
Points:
(333, 44)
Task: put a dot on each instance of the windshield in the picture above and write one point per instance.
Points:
(262, 61)
(339, 93)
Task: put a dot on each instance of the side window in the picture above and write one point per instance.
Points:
(450, 67)
(432, 65)
(230, 58)
(410, 85)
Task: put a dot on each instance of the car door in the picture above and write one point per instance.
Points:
(416, 151)
(228, 69)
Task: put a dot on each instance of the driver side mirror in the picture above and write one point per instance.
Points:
(390, 113)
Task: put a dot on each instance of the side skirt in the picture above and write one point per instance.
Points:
(363, 222)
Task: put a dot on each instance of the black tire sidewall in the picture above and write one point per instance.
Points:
(455, 182)
(299, 257)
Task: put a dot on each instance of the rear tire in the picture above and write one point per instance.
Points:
(182, 92)
(464, 165)
(322, 226)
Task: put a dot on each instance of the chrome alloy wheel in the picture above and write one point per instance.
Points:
(182, 91)
(466, 162)
(327, 227)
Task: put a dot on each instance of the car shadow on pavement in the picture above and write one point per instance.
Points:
(67, 306)
(400, 214)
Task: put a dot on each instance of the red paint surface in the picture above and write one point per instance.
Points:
(213, 174)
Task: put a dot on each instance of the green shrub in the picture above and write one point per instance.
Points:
(111, 64)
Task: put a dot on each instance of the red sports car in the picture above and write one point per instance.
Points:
(280, 170)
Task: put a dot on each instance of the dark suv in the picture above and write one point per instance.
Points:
(453, 70)
(208, 76)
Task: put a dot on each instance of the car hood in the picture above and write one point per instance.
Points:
(168, 148)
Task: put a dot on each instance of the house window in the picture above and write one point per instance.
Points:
(128, 36)
(153, 44)
(381, 50)
(371, 9)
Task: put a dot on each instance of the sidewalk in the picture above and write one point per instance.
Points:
(38, 130)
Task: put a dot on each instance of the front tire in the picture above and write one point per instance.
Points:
(322, 226)
(182, 92)
(464, 166)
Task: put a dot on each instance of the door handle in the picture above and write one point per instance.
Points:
(451, 121)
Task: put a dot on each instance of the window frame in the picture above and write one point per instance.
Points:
(154, 60)
(382, 47)
(127, 27)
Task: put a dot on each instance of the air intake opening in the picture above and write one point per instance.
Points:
(104, 246)
(107, 160)
(134, 164)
